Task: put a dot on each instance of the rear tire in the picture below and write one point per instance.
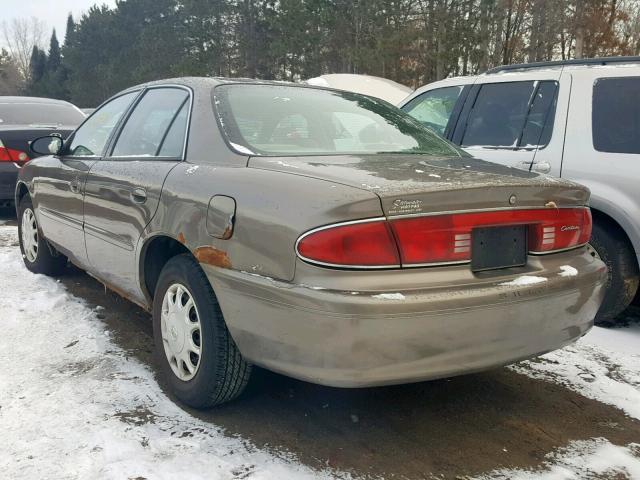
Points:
(622, 278)
(212, 371)
(38, 255)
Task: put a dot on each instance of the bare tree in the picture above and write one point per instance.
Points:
(20, 36)
(10, 81)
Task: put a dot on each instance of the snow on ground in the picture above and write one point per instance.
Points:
(595, 458)
(75, 406)
(604, 365)
(72, 405)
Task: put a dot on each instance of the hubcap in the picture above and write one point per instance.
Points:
(181, 332)
(29, 235)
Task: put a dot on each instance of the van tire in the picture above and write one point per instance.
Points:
(622, 271)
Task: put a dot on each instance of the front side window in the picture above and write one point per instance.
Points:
(289, 120)
(151, 121)
(616, 115)
(433, 108)
(511, 115)
(92, 136)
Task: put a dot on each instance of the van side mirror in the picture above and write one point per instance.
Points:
(49, 145)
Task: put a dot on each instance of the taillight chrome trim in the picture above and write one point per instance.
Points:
(560, 250)
(337, 265)
(481, 210)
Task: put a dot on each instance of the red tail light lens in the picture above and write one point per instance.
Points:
(447, 238)
(367, 244)
(437, 239)
(11, 155)
(568, 228)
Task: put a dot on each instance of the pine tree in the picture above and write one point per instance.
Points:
(38, 66)
(53, 60)
(69, 32)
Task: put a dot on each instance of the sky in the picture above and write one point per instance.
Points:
(53, 12)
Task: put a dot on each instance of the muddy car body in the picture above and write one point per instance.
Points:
(250, 230)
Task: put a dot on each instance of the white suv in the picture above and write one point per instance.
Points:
(576, 119)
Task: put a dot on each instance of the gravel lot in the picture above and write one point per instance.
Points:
(79, 398)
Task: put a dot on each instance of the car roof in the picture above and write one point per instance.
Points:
(203, 82)
(34, 100)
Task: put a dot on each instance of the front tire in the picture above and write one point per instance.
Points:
(194, 348)
(622, 279)
(38, 255)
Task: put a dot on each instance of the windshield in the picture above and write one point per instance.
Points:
(289, 120)
(39, 114)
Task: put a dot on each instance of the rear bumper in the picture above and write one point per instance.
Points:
(8, 178)
(366, 338)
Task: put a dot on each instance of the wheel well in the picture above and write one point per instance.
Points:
(22, 191)
(603, 218)
(156, 254)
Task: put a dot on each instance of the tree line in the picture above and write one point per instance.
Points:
(410, 41)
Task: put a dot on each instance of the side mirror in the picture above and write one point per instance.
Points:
(49, 145)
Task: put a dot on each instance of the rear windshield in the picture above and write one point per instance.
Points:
(39, 114)
(289, 120)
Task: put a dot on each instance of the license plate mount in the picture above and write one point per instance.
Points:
(493, 248)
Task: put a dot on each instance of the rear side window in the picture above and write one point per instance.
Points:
(433, 108)
(151, 121)
(173, 143)
(616, 115)
(512, 115)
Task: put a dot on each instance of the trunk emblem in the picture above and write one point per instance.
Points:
(512, 200)
(406, 206)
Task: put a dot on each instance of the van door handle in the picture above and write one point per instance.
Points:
(139, 195)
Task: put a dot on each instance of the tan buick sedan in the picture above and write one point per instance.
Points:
(317, 233)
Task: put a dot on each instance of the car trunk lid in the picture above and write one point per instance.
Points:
(422, 184)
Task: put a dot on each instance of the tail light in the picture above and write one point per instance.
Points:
(365, 244)
(438, 239)
(11, 155)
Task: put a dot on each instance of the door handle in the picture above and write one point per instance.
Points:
(74, 186)
(139, 195)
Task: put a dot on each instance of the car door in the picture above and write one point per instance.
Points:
(60, 181)
(515, 120)
(122, 190)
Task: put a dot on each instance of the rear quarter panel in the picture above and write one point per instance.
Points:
(272, 210)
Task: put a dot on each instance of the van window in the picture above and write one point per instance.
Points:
(512, 115)
(616, 115)
(433, 108)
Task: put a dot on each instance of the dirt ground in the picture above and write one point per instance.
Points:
(443, 429)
